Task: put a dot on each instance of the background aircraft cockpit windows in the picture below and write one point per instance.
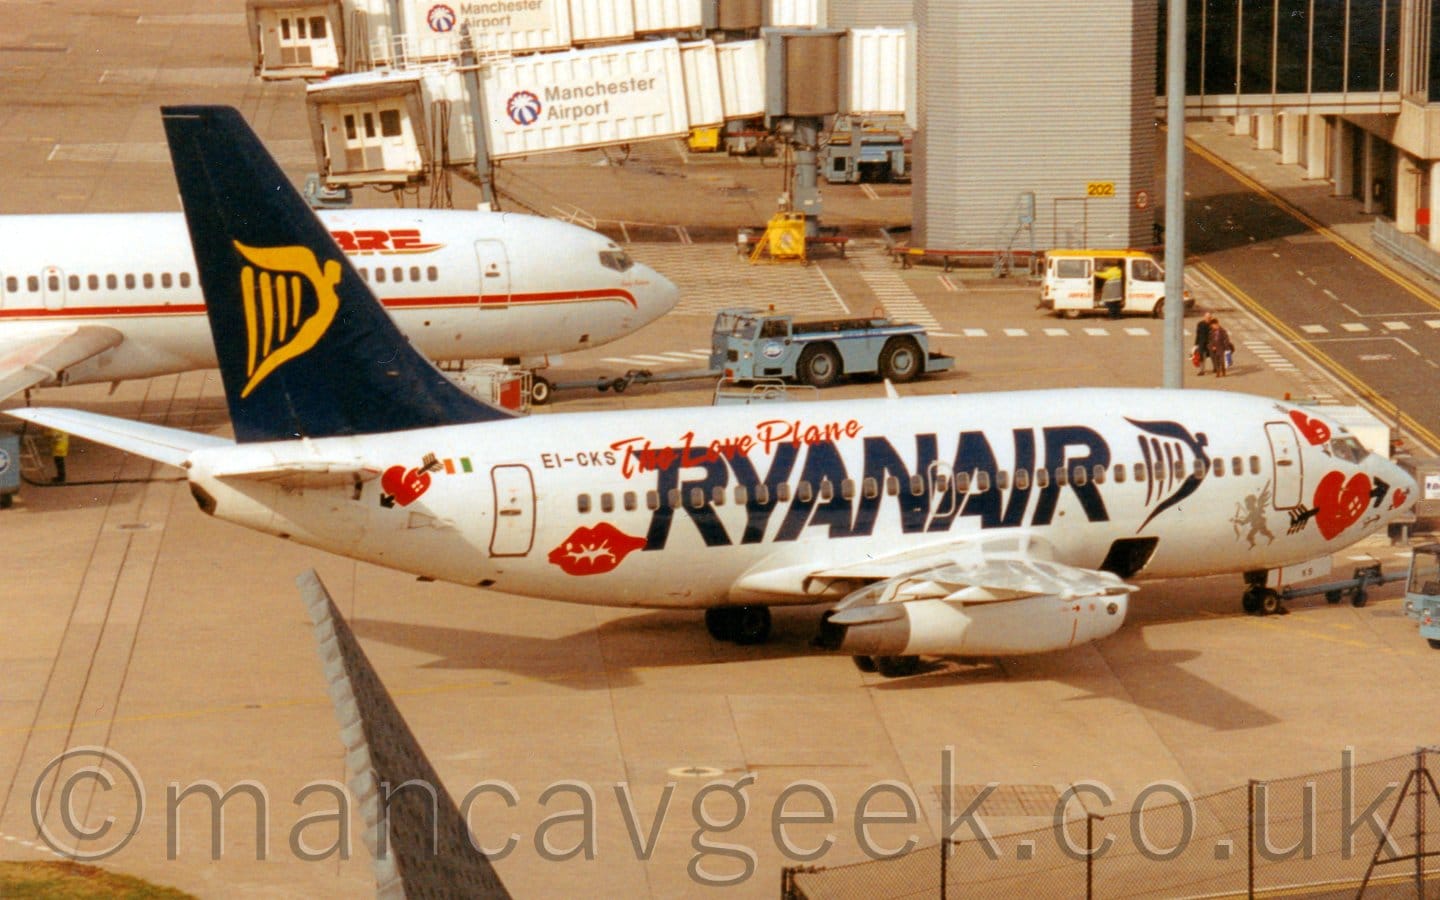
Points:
(1348, 448)
(618, 260)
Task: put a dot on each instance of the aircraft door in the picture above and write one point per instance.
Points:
(514, 510)
(494, 274)
(1288, 482)
(52, 286)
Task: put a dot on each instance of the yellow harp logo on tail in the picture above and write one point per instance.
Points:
(279, 323)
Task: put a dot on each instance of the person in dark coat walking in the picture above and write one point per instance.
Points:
(1220, 346)
(1202, 340)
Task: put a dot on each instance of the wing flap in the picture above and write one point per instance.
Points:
(37, 358)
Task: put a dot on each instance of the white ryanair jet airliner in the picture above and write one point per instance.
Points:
(987, 524)
(110, 297)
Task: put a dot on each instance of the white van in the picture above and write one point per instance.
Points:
(1070, 286)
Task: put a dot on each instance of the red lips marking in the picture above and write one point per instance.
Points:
(1315, 431)
(594, 550)
(1340, 503)
(1399, 499)
(405, 485)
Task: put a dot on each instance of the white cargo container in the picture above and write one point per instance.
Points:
(797, 13)
(430, 30)
(584, 98)
(703, 102)
(880, 75)
(742, 78)
(668, 15)
(383, 127)
(592, 21)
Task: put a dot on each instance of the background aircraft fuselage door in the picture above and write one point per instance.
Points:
(494, 274)
(514, 510)
(1289, 478)
(52, 285)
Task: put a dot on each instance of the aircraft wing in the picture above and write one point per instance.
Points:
(30, 359)
(968, 598)
(167, 445)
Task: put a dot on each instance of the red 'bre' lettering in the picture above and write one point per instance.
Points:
(399, 240)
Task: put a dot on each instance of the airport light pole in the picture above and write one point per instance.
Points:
(1174, 328)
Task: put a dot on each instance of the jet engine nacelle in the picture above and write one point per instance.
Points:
(955, 628)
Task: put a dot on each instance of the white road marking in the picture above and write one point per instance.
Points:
(1354, 327)
(1314, 329)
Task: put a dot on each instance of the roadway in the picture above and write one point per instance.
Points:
(1371, 322)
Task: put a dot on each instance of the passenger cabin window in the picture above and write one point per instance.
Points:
(697, 497)
(869, 487)
(380, 274)
(129, 281)
(917, 485)
(1218, 467)
(582, 503)
(1254, 465)
(1002, 480)
(1022, 479)
(982, 482)
(111, 283)
(1098, 474)
(962, 483)
(165, 280)
(630, 501)
(652, 500)
(672, 498)
(12, 284)
(74, 282)
(1119, 473)
(717, 496)
(1141, 473)
(607, 502)
(762, 494)
(32, 284)
(892, 485)
(803, 492)
(148, 279)
(184, 279)
(1237, 465)
(54, 282)
(1042, 478)
(782, 492)
(432, 273)
(93, 282)
(1078, 476)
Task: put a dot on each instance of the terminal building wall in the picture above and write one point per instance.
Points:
(1012, 99)
(874, 14)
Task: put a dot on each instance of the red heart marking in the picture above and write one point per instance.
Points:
(1340, 503)
(405, 485)
(1315, 431)
(1399, 499)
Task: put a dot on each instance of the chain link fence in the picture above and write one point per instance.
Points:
(1370, 829)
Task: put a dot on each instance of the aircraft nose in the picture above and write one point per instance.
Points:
(658, 295)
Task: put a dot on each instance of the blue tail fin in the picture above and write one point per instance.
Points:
(305, 349)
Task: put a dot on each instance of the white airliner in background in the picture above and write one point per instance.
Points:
(976, 525)
(109, 297)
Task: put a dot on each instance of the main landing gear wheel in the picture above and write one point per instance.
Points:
(865, 664)
(739, 624)
(896, 666)
(1261, 601)
(540, 390)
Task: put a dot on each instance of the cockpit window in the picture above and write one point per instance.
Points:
(1348, 448)
(618, 260)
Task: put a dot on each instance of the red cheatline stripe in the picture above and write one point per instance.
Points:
(192, 309)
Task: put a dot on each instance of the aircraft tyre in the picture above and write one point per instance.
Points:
(752, 625)
(540, 390)
(1434, 643)
(1332, 596)
(900, 360)
(1261, 601)
(865, 664)
(1359, 599)
(819, 366)
(720, 622)
(897, 666)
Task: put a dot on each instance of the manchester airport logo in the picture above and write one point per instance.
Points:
(523, 108)
(282, 319)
